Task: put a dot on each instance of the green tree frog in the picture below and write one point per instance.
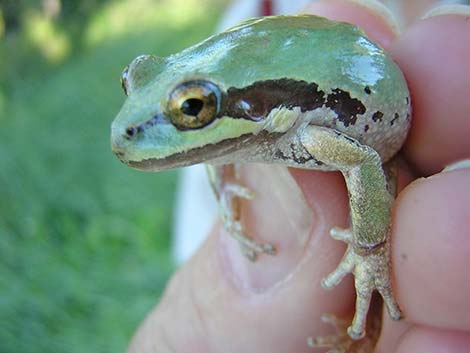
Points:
(303, 91)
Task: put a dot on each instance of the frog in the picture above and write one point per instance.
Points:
(298, 90)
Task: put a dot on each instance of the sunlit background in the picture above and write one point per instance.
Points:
(84, 240)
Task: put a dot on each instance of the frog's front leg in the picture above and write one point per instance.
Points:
(368, 252)
(228, 194)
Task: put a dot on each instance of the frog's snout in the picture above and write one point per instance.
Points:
(120, 138)
(131, 132)
(118, 145)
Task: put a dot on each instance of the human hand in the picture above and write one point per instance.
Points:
(220, 302)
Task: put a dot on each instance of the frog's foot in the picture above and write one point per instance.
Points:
(233, 226)
(339, 342)
(371, 269)
(249, 247)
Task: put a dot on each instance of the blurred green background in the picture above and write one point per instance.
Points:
(84, 240)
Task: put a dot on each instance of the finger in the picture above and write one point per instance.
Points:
(221, 302)
(422, 339)
(429, 340)
(431, 256)
(435, 57)
(372, 16)
(432, 251)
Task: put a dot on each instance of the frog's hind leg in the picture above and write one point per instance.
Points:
(228, 194)
(368, 252)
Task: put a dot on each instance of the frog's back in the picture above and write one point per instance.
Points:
(356, 79)
(276, 46)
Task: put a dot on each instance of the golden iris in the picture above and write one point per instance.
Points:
(193, 104)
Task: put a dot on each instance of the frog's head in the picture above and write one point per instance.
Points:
(178, 113)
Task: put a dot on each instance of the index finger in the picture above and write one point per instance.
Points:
(434, 55)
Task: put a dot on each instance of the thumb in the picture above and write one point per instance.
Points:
(221, 302)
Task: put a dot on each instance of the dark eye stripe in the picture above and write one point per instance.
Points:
(254, 102)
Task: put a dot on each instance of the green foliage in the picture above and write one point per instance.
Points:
(71, 12)
(84, 240)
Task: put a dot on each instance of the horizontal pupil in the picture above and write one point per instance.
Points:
(192, 106)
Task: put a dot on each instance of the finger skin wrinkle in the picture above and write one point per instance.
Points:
(200, 319)
(164, 343)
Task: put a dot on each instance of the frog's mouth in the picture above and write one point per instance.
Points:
(219, 151)
(178, 160)
(222, 152)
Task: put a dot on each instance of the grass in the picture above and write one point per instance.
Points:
(84, 240)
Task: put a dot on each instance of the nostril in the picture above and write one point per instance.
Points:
(131, 132)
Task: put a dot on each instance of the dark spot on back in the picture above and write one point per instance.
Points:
(395, 118)
(378, 115)
(407, 100)
(367, 90)
(345, 106)
(366, 128)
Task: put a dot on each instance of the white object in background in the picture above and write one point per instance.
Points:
(195, 213)
(289, 7)
(236, 12)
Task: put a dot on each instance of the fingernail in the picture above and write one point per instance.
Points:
(462, 164)
(383, 11)
(455, 9)
(278, 215)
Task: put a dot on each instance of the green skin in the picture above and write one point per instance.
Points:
(360, 123)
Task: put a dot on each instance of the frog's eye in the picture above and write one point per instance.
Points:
(124, 83)
(194, 104)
